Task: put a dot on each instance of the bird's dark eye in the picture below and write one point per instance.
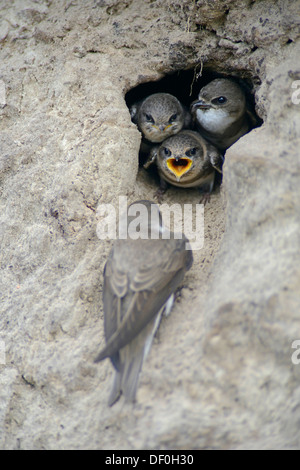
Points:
(191, 152)
(172, 118)
(219, 100)
(167, 152)
(149, 118)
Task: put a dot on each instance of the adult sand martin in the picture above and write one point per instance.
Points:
(221, 113)
(140, 277)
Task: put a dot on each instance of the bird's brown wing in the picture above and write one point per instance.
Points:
(146, 293)
(115, 287)
(215, 157)
(152, 157)
(134, 111)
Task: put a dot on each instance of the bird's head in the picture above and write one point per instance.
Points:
(181, 156)
(221, 94)
(160, 116)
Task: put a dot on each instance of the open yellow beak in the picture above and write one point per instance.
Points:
(179, 166)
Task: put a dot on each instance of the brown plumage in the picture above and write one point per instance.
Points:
(221, 114)
(186, 160)
(140, 276)
(159, 116)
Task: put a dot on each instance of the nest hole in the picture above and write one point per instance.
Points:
(185, 86)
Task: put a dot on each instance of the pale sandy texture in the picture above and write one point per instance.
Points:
(219, 374)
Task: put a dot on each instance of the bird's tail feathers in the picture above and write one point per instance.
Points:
(127, 377)
(116, 389)
(130, 377)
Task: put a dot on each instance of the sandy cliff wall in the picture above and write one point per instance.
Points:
(220, 373)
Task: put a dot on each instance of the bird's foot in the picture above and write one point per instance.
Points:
(159, 195)
(161, 191)
(205, 198)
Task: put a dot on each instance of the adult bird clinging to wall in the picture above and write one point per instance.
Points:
(140, 277)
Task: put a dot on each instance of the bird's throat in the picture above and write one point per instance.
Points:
(215, 120)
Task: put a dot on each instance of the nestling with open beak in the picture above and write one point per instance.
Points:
(140, 277)
(186, 160)
(221, 114)
(159, 116)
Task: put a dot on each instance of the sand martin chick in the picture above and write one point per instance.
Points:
(159, 116)
(187, 160)
(140, 277)
(220, 113)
